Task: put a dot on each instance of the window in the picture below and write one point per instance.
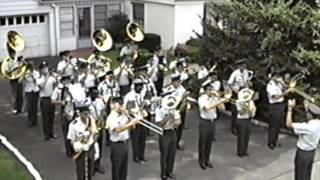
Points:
(2, 21)
(26, 19)
(138, 13)
(18, 20)
(84, 22)
(10, 21)
(34, 19)
(100, 16)
(66, 22)
(41, 19)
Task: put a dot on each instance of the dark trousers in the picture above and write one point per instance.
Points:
(47, 114)
(16, 95)
(119, 160)
(303, 164)
(277, 111)
(124, 90)
(138, 141)
(181, 126)
(159, 84)
(65, 127)
(100, 141)
(85, 165)
(32, 107)
(167, 146)
(243, 126)
(234, 114)
(206, 135)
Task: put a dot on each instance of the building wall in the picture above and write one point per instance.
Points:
(159, 19)
(187, 20)
(38, 35)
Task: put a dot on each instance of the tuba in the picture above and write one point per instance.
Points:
(136, 34)
(13, 67)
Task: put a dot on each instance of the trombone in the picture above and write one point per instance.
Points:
(292, 86)
(144, 123)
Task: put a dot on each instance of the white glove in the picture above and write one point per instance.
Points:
(77, 146)
(85, 147)
(97, 151)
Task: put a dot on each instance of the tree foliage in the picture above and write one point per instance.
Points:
(269, 34)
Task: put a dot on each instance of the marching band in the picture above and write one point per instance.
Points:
(125, 103)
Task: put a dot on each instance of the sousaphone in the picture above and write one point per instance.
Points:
(12, 67)
(102, 40)
(135, 32)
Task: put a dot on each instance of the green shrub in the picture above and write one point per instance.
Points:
(117, 27)
(151, 42)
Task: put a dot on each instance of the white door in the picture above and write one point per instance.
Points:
(33, 28)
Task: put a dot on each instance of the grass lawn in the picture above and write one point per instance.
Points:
(113, 55)
(10, 167)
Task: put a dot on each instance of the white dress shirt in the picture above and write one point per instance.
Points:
(205, 100)
(89, 81)
(69, 66)
(309, 134)
(109, 89)
(123, 76)
(96, 108)
(31, 82)
(244, 113)
(47, 85)
(238, 79)
(274, 89)
(116, 120)
(135, 99)
(77, 130)
(203, 73)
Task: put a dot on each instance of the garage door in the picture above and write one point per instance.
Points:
(34, 29)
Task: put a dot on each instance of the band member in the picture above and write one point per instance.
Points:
(124, 75)
(31, 90)
(109, 87)
(62, 97)
(46, 83)
(161, 69)
(246, 110)
(134, 103)
(118, 125)
(98, 62)
(206, 69)
(308, 141)
(15, 84)
(85, 77)
(67, 66)
(276, 94)
(178, 91)
(169, 119)
(238, 79)
(208, 104)
(214, 82)
(128, 49)
(97, 109)
(81, 133)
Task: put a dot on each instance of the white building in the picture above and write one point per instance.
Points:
(174, 20)
(51, 26)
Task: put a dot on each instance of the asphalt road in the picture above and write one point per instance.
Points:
(262, 164)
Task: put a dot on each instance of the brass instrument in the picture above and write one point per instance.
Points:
(136, 34)
(244, 96)
(13, 67)
(292, 87)
(102, 40)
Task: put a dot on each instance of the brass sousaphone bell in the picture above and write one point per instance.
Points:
(102, 40)
(134, 32)
(15, 43)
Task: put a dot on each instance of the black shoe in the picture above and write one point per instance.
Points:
(209, 165)
(99, 170)
(234, 132)
(35, 124)
(143, 159)
(54, 136)
(180, 148)
(164, 177)
(47, 138)
(214, 139)
(243, 155)
(277, 145)
(202, 166)
(271, 146)
(171, 175)
(137, 160)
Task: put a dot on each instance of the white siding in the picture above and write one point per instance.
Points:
(159, 19)
(188, 19)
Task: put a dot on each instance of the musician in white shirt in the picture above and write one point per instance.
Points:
(109, 87)
(276, 93)
(46, 83)
(31, 90)
(124, 75)
(67, 66)
(85, 77)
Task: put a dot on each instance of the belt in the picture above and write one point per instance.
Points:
(209, 120)
(46, 97)
(168, 130)
(119, 142)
